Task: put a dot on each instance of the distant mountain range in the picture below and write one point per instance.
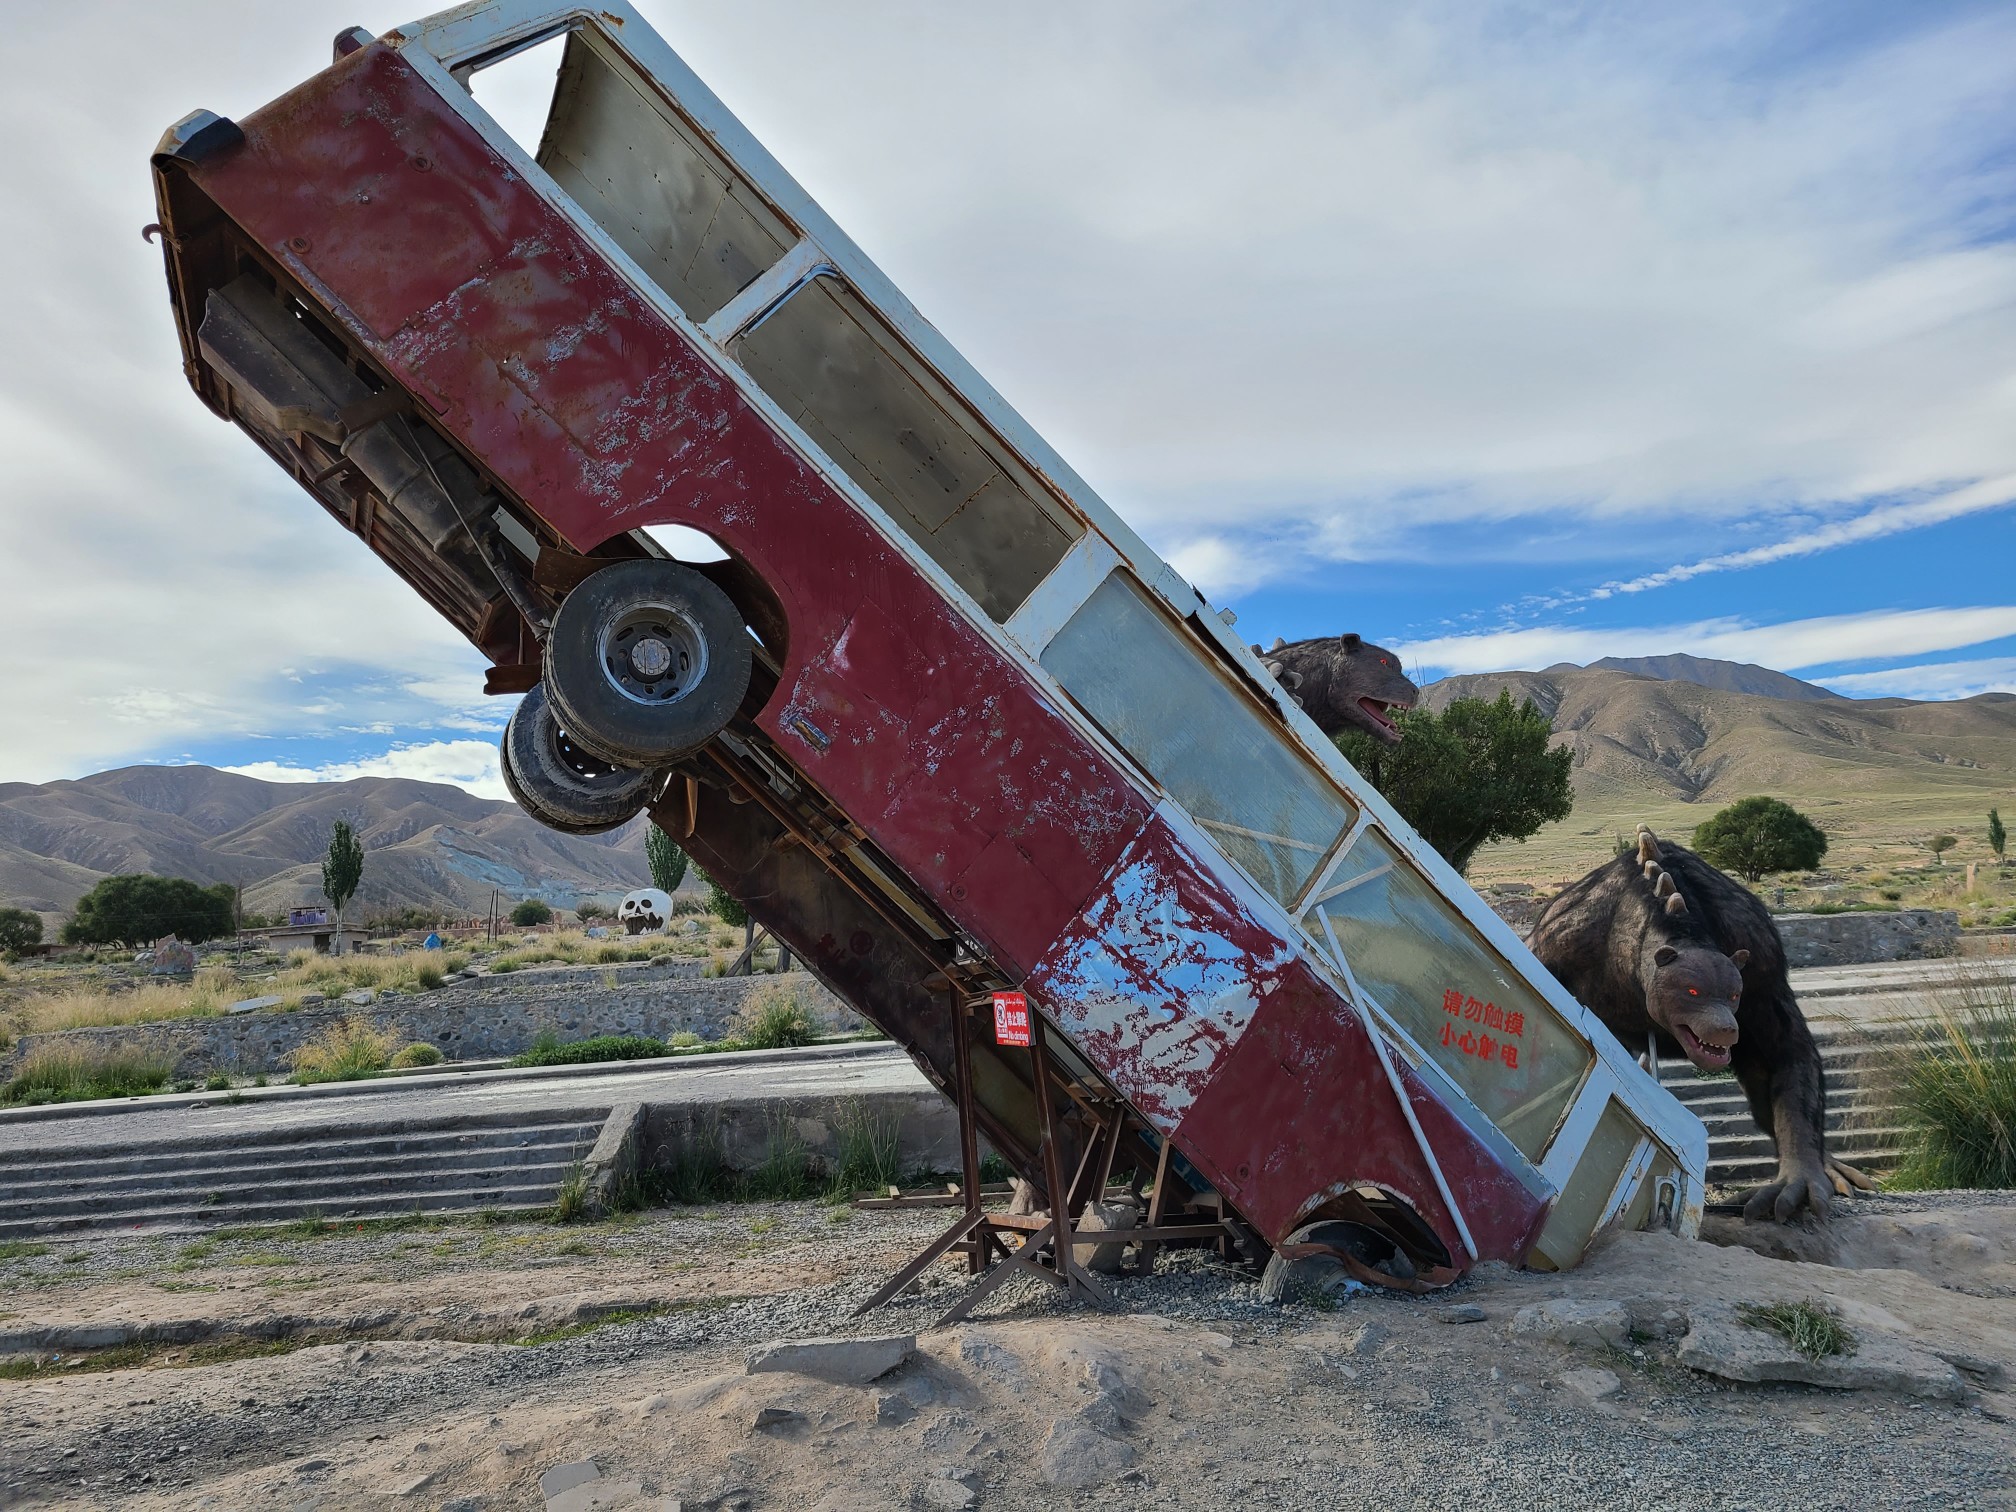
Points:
(1724, 676)
(426, 844)
(1878, 774)
(1661, 739)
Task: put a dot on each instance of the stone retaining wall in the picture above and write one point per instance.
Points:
(1857, 939)
(484, 1019)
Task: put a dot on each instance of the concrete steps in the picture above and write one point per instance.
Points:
(448, 1164)
(1863, 1127)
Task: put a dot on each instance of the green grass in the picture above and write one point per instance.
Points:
(417, 1054)
(1812, 1328)
(587, 1325)
(547, 1050)
(868, 1152)
(1956, 1089)
(354, 1050)
(78, 1071)
(573, 1201)
(20, 1249)
(777, 1020)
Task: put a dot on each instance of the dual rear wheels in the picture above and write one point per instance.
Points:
(645, 663)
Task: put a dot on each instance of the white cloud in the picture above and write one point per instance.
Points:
(467, 764)
(1887, 520)
(1825, 641)
(1359, 279)
(1960, 679)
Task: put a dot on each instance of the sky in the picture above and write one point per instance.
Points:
(1501, 334)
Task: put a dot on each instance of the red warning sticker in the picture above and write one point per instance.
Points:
(1011, 1018)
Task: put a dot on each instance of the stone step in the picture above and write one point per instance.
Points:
(325, 1192)
(1744, 1146)
(36, 1158)
(202, 1170)
(283, 1210)
(504, 1160)
(1750, 1171)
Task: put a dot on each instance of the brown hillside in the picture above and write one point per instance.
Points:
(427, 844)
(1877, 774)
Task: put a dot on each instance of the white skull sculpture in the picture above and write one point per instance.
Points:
(645, 911)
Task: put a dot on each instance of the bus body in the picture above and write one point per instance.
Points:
(990, 736)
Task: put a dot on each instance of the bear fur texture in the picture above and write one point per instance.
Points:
(1659, 942)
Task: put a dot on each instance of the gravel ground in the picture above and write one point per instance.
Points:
(1196, 1392)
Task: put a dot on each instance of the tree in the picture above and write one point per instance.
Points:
(1474, 773)
(1939, 845)
(588, 910)
(1998, 837)
(19, 929)
(531, 911)
(1757, 835)
(667, 861)
(342, 868)
(722, 904)
(138, 909)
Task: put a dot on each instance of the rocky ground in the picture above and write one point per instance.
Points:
(472, 1367)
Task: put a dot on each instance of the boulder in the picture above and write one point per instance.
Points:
(1720, 1343)
(1582, 1325)
(844, 1362)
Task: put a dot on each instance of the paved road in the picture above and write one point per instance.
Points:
(1839, 994)
(817, 1071)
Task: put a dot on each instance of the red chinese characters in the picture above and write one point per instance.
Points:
(1481, 1042)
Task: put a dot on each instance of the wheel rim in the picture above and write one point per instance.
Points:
(588, 768)
(653, 655)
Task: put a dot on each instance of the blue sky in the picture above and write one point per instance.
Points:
(1500, 334)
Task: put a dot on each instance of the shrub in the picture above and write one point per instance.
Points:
(869, 1150)
(531, 911)
(354, 1050)
(19, 929)
(217, 1081)
(1477, 772)
(571, 1203)
(548, 1051)
(1757, 835)
(776, 1020)
(418, 1054)
(72, 1072)
(1956, 1085)
(430, 974)
(135, 910)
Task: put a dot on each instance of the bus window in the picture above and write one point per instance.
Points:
(1162, 701)
(835, 368)
(1421, 961)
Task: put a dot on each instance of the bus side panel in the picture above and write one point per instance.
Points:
(1231, 1044)
(595, 410)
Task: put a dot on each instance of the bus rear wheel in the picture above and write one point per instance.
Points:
(646, 662)
(562, 786)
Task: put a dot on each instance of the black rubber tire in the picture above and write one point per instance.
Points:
(564, 788)
(671, 719)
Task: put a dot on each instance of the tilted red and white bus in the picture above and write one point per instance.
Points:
(935, 714)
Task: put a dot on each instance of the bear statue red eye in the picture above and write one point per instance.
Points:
(1691, 992)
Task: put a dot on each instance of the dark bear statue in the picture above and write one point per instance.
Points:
(1344, 682)
(1659, 942)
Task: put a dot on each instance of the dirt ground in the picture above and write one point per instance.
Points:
(452, 1367)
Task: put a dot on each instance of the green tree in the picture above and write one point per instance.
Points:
(667, 861)
(19, 929)
(531, 911)
(588, 910)
(1757, 835)
(722, 904)
(1474, 773)
(1998, 837)
(342, 868)
(1939, 845)
(139, 909)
